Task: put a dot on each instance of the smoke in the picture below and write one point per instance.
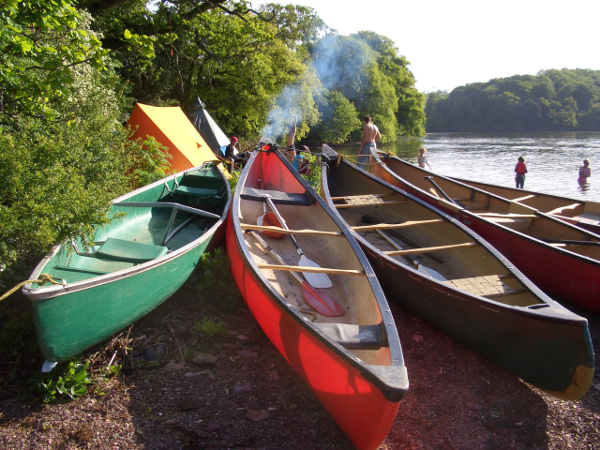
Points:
(285, 112)
(339, 63)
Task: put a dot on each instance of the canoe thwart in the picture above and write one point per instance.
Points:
(354, 337)
(395, 226)
(129, 251)
(310, 269)
(176, 206)
(410, 251)
(284, 198)
(284, 231)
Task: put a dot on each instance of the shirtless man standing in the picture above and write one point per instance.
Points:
(370, 135)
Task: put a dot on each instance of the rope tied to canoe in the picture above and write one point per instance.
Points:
(43, 279)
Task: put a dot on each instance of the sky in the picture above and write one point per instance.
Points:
(451, 43)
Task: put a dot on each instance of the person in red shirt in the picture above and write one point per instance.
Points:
(521, 170)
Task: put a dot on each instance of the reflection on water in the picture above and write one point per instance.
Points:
(553, 159)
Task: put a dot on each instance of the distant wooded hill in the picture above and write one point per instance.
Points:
(552, 100)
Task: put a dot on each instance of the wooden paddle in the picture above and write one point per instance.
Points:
(317, 280)
(320, 301)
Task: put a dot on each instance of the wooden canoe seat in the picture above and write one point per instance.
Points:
(129, 251)
(486, 286)
(355, 201)
(354, 337)
(284, 198)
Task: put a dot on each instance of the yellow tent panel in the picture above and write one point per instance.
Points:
(171, 128)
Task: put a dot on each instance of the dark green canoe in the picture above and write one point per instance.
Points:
(156, 237)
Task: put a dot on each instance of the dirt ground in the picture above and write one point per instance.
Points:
(182, 389)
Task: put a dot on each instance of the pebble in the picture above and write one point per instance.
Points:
(204, 360)
(256, 415)
(174, 366)
(247, 354)
(242, 387)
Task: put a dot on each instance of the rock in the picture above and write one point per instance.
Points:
(242, 387)
(473, 406)
(174, 366)
(256, 415)
(149, 354)
(204, 360)
(247, 354)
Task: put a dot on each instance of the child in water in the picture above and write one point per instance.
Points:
(422, 159)
(584, 172)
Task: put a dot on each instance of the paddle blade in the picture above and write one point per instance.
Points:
(270, 220)
(322, 302)
(316, 280)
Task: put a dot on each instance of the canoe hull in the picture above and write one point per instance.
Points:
(68, 324)
(102, 296)
(552, 353)
(341, 388)
(562, 274)
(363, 399)
(541, 342)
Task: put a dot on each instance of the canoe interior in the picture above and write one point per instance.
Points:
(552, 204)
(461, 261)
(323, 244)
(510, 214)
(141, 233)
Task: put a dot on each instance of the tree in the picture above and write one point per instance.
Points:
(40, 44)
(65, 154)
(339, 118)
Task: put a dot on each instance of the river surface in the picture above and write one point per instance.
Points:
(553, 159)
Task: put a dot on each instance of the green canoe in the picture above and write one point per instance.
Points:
(156, 237)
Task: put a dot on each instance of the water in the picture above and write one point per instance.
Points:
(553, 159)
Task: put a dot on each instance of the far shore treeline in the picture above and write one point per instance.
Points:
(552, 100)
(71, 72)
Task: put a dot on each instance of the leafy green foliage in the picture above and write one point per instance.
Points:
(211, 330)
(41, 43)
(66, 381)
(553, 100)
(339, 118)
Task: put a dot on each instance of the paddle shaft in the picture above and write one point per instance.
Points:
(320, 301)
(276, 255)
(283, 224)
(450, 199)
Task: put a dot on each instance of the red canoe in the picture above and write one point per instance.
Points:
(342, 341)
(560, 258)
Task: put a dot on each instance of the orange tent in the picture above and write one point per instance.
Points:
(171, 128)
